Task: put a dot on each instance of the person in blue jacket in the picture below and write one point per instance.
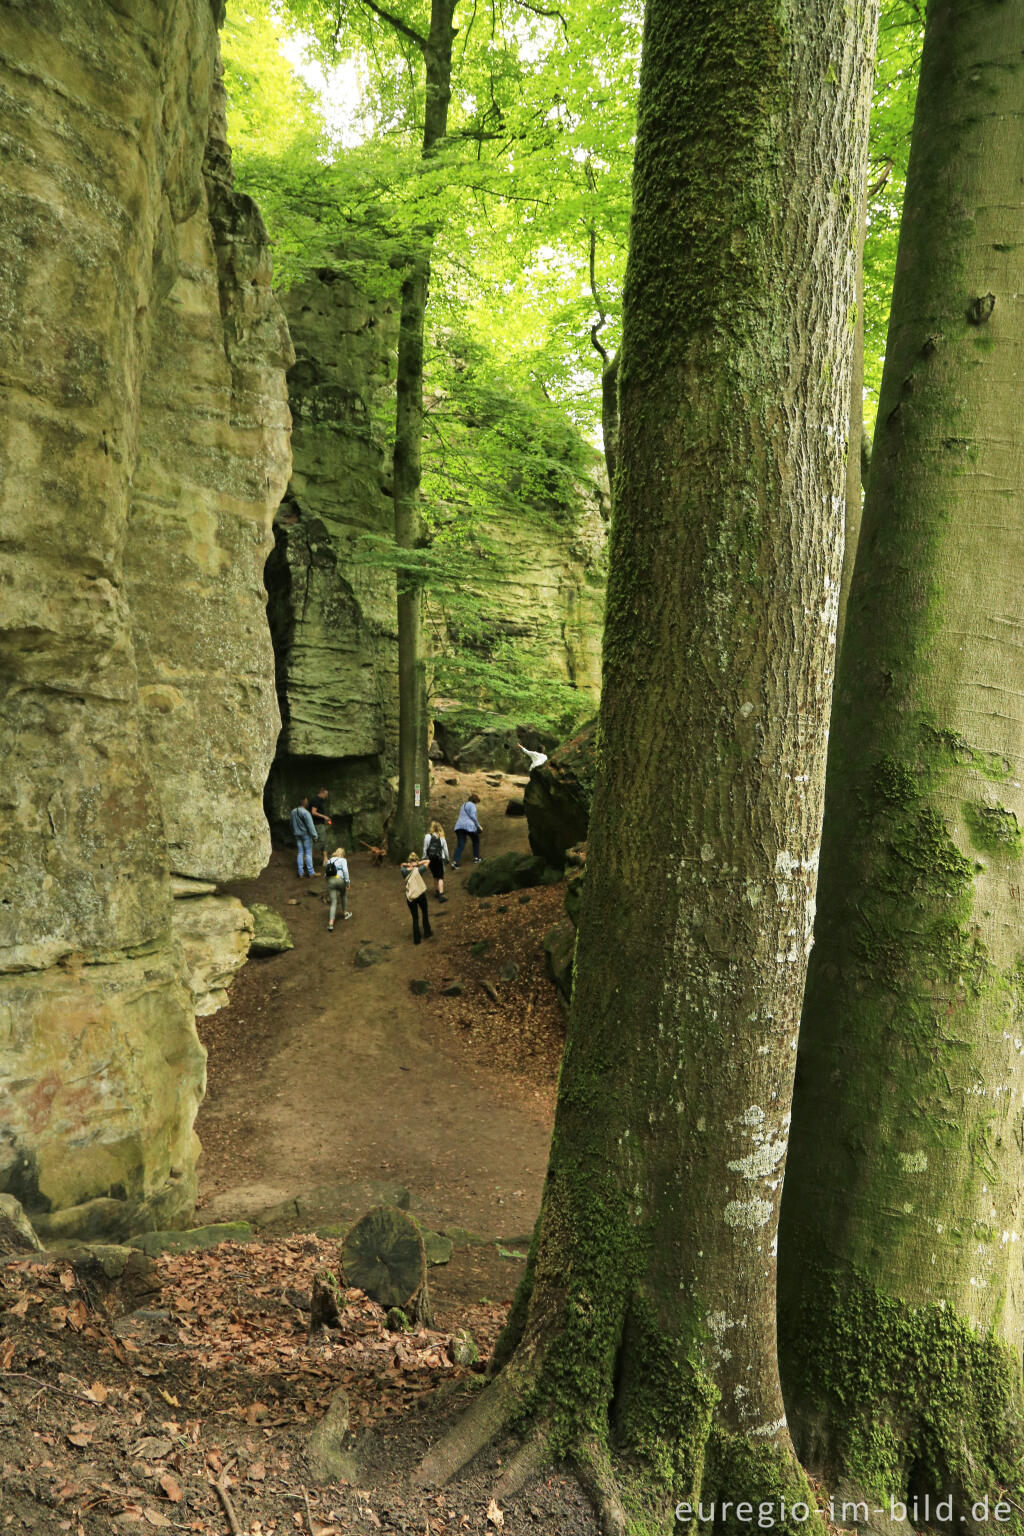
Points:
(305, 836)
(467, 825)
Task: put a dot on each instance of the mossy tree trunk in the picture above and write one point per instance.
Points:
(902, 1232)
(410, 820)
(855, 434)
(642, 1344)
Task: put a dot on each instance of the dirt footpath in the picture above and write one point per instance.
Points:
(322, 1072)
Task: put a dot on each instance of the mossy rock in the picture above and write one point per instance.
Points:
(559, 795)
(17, 1234)
(463, 1348)
(438, 1249)
(270, 934)
(559, 951)
(510, 872)
(155, 1243)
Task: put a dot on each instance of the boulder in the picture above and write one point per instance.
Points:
(155, 1243)
(489, 749)
(559, 951)
(463, 1348)
(438, 1249)
(270, 934)
(575, 873)
(327, 1460)
(509, 872)
(17, 1235)
(559, 794)
(516, 807)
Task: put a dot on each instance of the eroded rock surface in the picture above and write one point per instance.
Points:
(332, 599)
(332, 609)
(559, 795)
(143, 434)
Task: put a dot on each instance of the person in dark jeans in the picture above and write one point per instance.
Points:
(467, 825)
(416, 896)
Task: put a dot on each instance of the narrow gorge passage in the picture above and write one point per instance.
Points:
(325, 1074)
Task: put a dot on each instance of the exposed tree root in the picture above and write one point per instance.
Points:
(593, 1468)
(479, 1425)
(526, 1464)
(487, 1418)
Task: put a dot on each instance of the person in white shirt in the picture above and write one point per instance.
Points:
(336, 871)
(536, 758)
(435, 851)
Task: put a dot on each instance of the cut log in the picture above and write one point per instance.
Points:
(383, 1255)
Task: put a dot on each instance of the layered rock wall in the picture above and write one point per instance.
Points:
(332, 601)
(332, 606)
(143, 448)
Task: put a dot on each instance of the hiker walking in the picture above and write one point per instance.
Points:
(416, 896)
(467, 825)
(435, 851)
(305, 836)
(337, 876)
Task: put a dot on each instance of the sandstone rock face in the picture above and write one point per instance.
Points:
(333, 613)
(559, 794)
(332, 609)
(143, 434)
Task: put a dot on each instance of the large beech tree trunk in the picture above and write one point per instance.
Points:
(410, 819)
(644, 1337)
(902, 1234)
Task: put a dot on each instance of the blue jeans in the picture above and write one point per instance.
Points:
(305, 843)
(460, 842)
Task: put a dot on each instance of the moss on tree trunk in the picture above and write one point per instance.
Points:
(642, 1346)
(902, 1230)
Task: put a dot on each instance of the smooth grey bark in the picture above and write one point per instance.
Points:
(642, 1345)
(902, 1235)
(410, 820)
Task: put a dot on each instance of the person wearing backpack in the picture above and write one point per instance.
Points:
(435, 851)
(337, 877)
(416, 896)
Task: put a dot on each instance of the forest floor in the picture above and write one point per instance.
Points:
(189, 1403)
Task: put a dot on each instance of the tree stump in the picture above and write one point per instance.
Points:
(383, 1255)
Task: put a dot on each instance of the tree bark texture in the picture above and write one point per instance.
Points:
(646, 1327)
(854, 439)
(902, 1235)
(410, 821)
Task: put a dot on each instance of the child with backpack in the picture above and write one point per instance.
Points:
(435, 851)
(416, 896)
(336, 875)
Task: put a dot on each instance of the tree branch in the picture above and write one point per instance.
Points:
(392, 21)
(540, 10)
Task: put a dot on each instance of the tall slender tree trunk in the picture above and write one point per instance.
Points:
(903, 1233)
(644, 1336)
(854, 466)
(412, 809)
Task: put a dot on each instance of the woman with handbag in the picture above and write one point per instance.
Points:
(416, 895)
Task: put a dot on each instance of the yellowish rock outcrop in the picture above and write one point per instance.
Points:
(143, 449)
